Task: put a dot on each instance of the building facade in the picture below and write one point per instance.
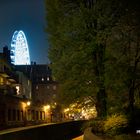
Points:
(44, 88)
(27, 93)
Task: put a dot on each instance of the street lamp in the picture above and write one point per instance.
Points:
(47, 107)
(28, 103)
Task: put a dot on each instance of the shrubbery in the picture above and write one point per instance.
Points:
(115, 124)
(96, 125)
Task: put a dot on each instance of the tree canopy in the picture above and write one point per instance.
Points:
(94, 50)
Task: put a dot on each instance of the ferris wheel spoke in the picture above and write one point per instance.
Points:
(19, 49)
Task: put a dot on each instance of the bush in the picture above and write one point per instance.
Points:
(122, 137)
(115, 124)
(97, 126)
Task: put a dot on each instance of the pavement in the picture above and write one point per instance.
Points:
(88, 135)
(79, 138)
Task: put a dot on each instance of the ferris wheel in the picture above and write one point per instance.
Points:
(19, 49)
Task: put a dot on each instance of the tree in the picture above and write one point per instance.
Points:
(125, 57)
(78, 47)
(81, 36)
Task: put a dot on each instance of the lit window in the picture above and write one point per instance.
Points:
(48, 79)
(54, 87)
(36, 87)
(18, 90)
(1, 81)
(7, 83)
(42, 79)
(28, 82)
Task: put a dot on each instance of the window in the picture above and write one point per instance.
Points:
(33, 115)
(14, 114)
(9, 115)
(54, 87)
(21, 115)
(43, 115)
(7, 83)
(36, 115)
(28, 82)
(40, 115)
(36, 87)
(2, 116)
(29, 115)
(18, 115)
(48, 79)
(1, 81)
(17, 90)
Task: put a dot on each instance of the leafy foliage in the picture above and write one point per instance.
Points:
(95, 51)
(115, 124)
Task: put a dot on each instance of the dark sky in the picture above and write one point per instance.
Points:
(29, 16)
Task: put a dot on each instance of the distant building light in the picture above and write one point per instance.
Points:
(47, 107)
(48, 79)
(37, 87)
(42, 79)
(137, 131)
(18, 90)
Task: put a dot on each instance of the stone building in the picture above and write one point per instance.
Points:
(27, 93)
(44, 88)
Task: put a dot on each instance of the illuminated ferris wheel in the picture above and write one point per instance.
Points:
(19, 49)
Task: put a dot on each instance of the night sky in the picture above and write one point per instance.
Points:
(29, 16)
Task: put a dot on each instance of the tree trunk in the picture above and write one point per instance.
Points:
(101, 104)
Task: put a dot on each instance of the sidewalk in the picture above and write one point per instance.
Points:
(79, 138)
(87, 136)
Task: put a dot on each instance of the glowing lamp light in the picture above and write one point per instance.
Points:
(66, 110)
(28, 103)
(47, 107)
(23, 105)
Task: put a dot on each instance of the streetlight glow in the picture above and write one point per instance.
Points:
(28, 103)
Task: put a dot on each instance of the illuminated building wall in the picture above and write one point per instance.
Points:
(19, 49)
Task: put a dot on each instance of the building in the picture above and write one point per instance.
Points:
(27, 93)
(11, 106)
(44, 88)
(8, 78)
